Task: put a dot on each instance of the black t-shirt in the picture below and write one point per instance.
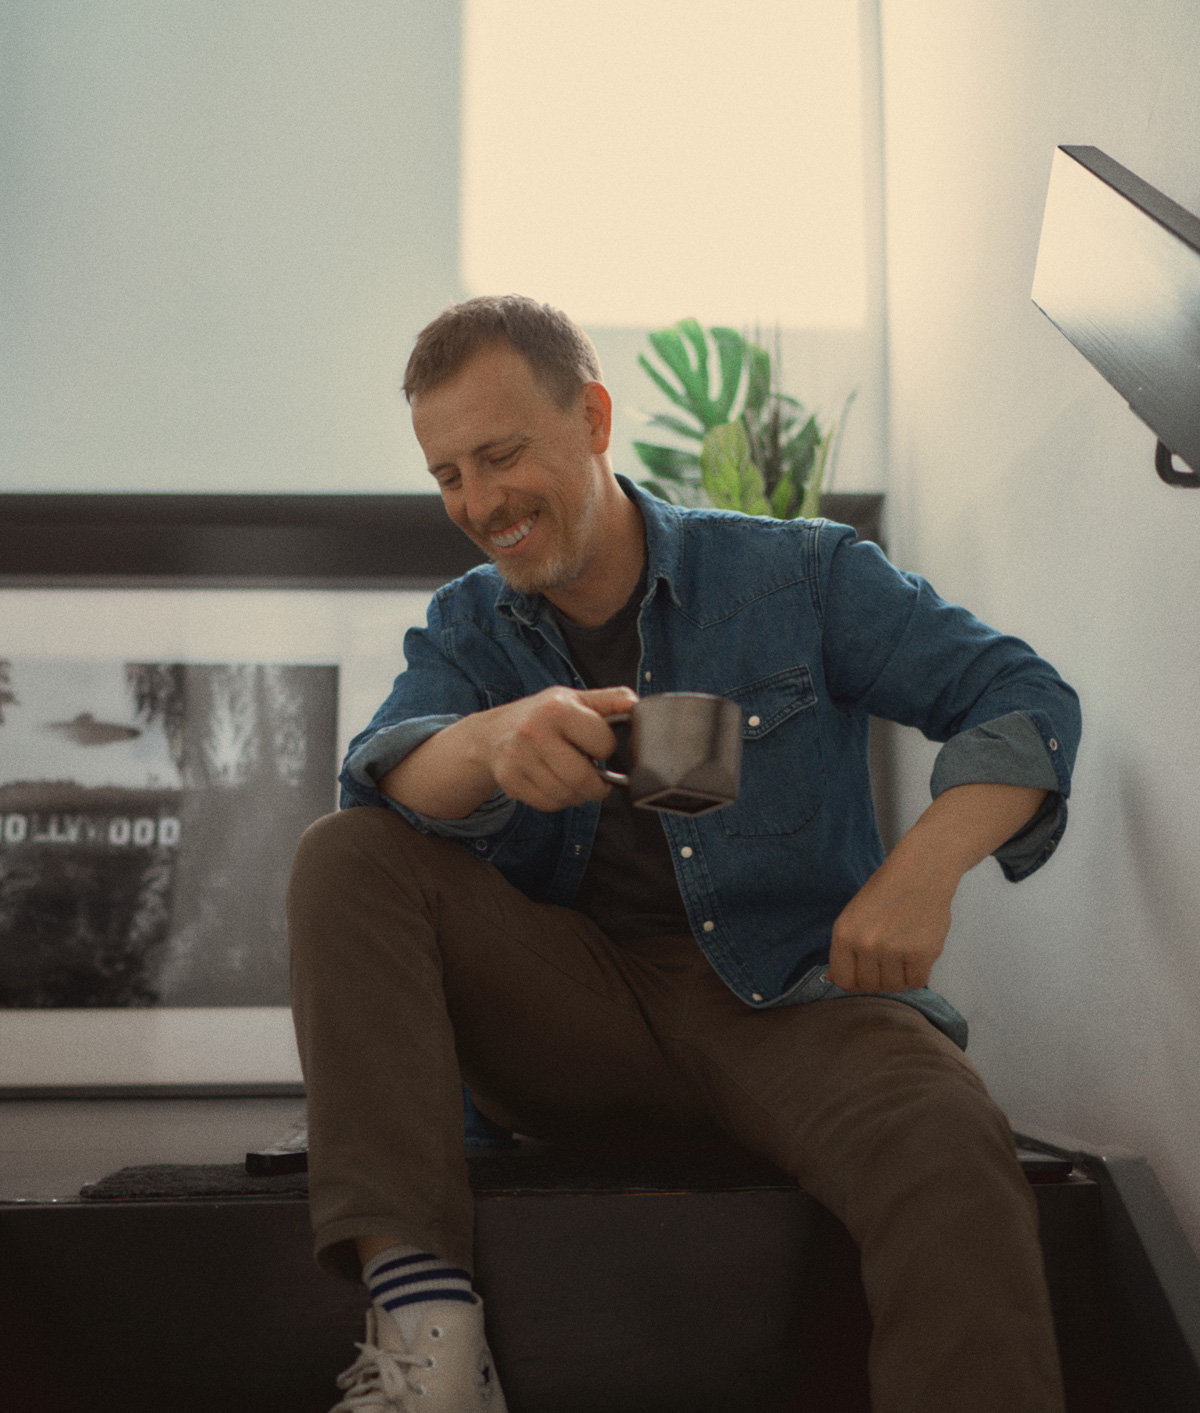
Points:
(629, 888)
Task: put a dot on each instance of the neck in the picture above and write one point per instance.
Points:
(612, 575)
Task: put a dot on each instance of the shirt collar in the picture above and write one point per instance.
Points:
(664, 547)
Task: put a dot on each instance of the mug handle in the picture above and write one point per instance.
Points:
(613, 776)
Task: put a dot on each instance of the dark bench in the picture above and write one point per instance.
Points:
(669, 1282)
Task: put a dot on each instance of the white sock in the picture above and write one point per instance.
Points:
(403, 1280)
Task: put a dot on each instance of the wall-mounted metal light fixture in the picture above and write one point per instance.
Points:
(1118, 271)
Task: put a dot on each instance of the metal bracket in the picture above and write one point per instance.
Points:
(1164, 464)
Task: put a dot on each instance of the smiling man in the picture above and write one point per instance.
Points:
(518, 477)
(486, 909)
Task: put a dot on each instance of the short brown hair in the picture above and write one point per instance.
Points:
(561, 355)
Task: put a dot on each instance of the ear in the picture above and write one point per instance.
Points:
(597, 409)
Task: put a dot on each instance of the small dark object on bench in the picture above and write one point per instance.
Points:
(289, 1155)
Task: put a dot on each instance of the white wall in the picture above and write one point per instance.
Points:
(1022, 486)
(223, 224)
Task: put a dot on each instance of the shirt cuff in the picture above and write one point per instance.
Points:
(1010, 750)
(387, 748)
(389, 745)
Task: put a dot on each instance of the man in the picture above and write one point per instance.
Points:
(493, 910)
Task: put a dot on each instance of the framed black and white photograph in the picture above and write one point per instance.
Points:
(161, 751)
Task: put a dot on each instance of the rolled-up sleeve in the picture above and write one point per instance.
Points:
(1010, 751)
(366, 765)
(369, 762)
(896, 649)
(431, 694)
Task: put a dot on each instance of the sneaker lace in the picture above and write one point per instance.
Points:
(377, 1379)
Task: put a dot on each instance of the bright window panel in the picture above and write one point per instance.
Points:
(643, 160)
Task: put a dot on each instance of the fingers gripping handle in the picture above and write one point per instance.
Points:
(614, 777)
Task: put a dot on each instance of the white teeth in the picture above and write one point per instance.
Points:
(515, 535)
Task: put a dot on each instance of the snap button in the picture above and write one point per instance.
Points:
(754, 996)
(824, 976)
(1053, 744)
(481, 844)
(686, 851)
(645, 676)
(755, 721)
(577, 849)
(709, 926)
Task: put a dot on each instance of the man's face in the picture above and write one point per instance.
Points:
(518, 475)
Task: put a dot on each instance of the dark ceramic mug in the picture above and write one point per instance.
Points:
(686, 751)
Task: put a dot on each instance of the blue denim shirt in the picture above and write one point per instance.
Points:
(812, 632)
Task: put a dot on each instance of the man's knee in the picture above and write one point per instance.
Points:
(369, 852)
(338, 844)
(330, 857)
(345, 829)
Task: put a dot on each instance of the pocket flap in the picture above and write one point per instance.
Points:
(773, 699)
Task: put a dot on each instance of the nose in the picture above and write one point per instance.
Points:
(482, 497)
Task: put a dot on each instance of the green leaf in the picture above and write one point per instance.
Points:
(720, 465)
(800, 449)
(783, 498)
(810, 506)
(730, 479)
(731, 349)
(758, 380)
(669, 346)
(694, 334)
(663, 386)
(666, 461)
(675, 424)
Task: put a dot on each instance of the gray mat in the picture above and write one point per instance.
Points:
(168, 1182)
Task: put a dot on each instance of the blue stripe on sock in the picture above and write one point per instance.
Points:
(451, 1294)
(442, 1273)
(404, 1261)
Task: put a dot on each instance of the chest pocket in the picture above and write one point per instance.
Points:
(783, 772)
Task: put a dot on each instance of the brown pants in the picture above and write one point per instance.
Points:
(414, 963)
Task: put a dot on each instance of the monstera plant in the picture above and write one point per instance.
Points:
(756, 449)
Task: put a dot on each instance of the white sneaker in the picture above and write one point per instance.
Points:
(447, 1369)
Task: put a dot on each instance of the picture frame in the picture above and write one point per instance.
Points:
(359, 631)
(247, 590)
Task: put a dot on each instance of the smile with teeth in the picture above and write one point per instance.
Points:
(515, 533)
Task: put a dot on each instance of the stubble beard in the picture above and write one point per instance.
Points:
(555, 573)
(561, 568)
